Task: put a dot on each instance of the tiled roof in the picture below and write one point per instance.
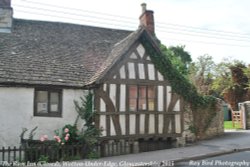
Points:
(49, 53)
(116, 53)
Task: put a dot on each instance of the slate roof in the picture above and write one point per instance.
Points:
(61, 54)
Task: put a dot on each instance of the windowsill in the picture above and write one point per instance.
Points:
(49, 115)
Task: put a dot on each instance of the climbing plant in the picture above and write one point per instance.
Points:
(91, 133)
(183, 87)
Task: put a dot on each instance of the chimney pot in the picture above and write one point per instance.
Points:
(147, 19)
(144, 7)
(6, 16)
(5, 3)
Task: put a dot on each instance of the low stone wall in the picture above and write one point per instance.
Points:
(216, 127)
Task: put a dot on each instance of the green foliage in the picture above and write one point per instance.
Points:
(192, 129)
(178, 57)
(222, 79)
(203, 107)
(68, 135)
(43, 159)
(85, 111)
(93, 155)
(229, 125)
(202, 73)
(179, 83)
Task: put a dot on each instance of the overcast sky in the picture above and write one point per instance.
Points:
(220, 28)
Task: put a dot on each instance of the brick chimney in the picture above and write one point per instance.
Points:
(147, 19)
(6, 17)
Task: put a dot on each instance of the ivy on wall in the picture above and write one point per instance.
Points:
(179, 84)
(182, 86)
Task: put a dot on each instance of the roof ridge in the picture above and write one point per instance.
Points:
(67, 23)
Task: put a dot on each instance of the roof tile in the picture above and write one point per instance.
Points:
(49, 53)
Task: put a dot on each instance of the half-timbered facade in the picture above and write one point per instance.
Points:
(135, 101)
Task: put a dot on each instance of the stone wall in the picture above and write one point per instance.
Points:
(216, 127)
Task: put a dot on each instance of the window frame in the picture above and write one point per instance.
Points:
(49, 92)
(139, 98)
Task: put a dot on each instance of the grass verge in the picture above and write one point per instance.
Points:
(229, 125)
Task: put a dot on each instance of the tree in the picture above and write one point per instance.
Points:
(179, 58)
(201, 73)
(222, 79)
(238, 91)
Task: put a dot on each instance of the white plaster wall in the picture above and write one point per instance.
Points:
(16, 107)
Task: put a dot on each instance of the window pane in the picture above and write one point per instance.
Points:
(42, 101)
(54, 101)
(133, 92)
(151, 92)
(151, 104)
(142, 104)
(142, 91)
(132, 104)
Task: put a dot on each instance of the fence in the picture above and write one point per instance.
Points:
(53, 153)
(41, 153)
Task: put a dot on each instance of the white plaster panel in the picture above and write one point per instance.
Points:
(160, 98)
(151, 124)
(132, 124)
(112, 128)
(160, 76)
(102, 105)
(142, 123)
(168, 89)
(122, 97)
(133, 56)
(141, 71)
(131, 70)
(122, 72)
(105, 87)
(170, 127)
(141, 50)
(123, 124)
(16, 104)
(148, 58)
(160, 125)
(112, 93)
(103, 124)
(151, 72)
(177, 106)
(177, 123)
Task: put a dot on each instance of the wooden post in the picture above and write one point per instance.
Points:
(3, 150)
(8, 154)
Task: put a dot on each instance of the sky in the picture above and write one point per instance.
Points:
(219, 28)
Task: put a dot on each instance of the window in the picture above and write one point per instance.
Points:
(141, 98)
(133, 98)
(48, 103)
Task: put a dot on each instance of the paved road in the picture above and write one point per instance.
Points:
(227, 143)
(239, 159)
